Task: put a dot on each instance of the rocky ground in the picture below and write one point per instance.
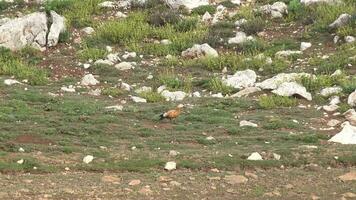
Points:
(268, 89)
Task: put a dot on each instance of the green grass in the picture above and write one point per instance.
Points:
(253, 26)
(12, 65)
(202, 9)
(174, 82)
(112, 91)
(216, 85)
(92, 54)
(271, 102)
(152, 97)
(314, 85)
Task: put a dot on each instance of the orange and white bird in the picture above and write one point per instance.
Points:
(172, 114)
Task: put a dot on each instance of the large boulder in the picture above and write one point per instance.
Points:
(31, 30)
(350, 115)
(342, 20)
(276, 81)
(200, 50)
(241, 79)
(292, 89)
(346, 136)
(190, 4)
(352, 99)
(276, 10)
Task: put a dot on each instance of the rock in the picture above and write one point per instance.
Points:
(111, 179)
(335, 100)
(88, 159)
(21, 150)
(236, 2)
(276, 81)
(68, 89)
(330, 108)
(86, 66)
(134, 182)
(350, 39)
(175, 183)
(173, 153)
(128, 55)
(349, 195)
(240, 38)
(351, 176)
(170, 166)
(342, 20)
(115, 108)
(89, 80)
(330, 91)
(292, 89)
(276, 10)
(247, 123)
(88, 30)
(196, 94)
(20, 161)
(198, 51)
(165, 42)
(206, 18)
(123, 66)
(29, 30)
(241, 79)
(240, 22)
(218, 95)
(286, 53)
(352, 99)
(173, 96)
(305, 45)
(209, 138)
(125, 86)
(58, 26)
(346, 136)
(245, 92)
(103, 62)
(333, 122)
(119, 14)
(113, 57)
(10, 82)
(4, 20)
(235, 179)
(276, 156)
(138, 99)
(255, 156)
(96, 92)
(219, 14)
(351, 116)
(107, 4)
(190, 4)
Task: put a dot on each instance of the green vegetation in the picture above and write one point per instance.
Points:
(216, 85)
(271, 102)
(201, 10)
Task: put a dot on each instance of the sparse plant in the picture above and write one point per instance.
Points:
(274, 101)
(112, 91)
(253, 26)
(216, 85)
(152, 97)
(201, 10)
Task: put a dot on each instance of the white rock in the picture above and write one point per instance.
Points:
(240, 22)
(170, 166)
(20, 161)
(346, 136)
(330, 91)
(196, 94)
(206, 17)
(342, 20)
(198, 51)
(21, 150)
(352, 99)
(286, 53)
(138, 99)
(276, 10)
(173, 96)
(58, 26)
(210, 138)
(333, 122)
(310, 2)
(335, 100)
(120, 15)
(4, 20)
(255, 156)
(336, 39)
(108, 49)
(240, 38)
(237, 2)
(103, 62)
(305, 45)
(218, 95)
(219, 14)
(245, 92)
(291, 89)
(173, 153)
(247, 123)
(128, 55)
(125, 86)
(89, 80)
(30, 30)
(86, 66)
(190, 4)
(124, 66)
(88, 30)
(351, 116)
(166, 42)
(113, 57)
(276, 81)
(337, 72)
(107, 4)
(241, 79)
(330, 108)
(115, 108)
(68, 89)
(276, 156)
(350, 39)
(96, 92)
(161, 88)
(11, 82)
(88, 159)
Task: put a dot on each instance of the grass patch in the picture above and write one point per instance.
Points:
(216, 85)
(112, 92)
(201, 10)
(92, 54)
(274, 101)
(152, 97)
(174, 82)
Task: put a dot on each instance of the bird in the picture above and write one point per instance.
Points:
(172, 114)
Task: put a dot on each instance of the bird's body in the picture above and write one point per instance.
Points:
(172, 114)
